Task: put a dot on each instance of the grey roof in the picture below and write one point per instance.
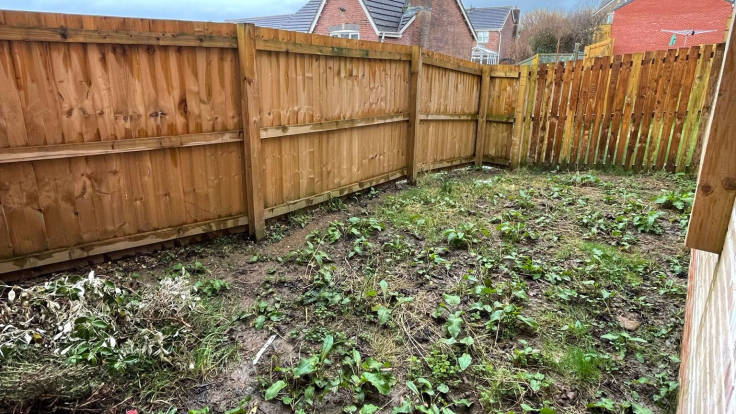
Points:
(407, 16)
(488, 17)
(301, 21)
(386, 14)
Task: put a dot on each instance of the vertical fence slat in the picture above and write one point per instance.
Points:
(586, 69)
(554, 112)
(635, 140)
(628, 112)
(414, 98)
(480, 130)
(519, 118)
(588, 147)
(604, 85)
(569, 114)
(618, 108)
(670, 106)
(609, 109)
(715, 69)
(681, 111)
(538, 114)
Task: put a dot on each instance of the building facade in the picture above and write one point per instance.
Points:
(443, 26)
(496, 28)
(633, 26)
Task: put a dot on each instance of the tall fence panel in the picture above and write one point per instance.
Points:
(501, 113)
(448, 109)
(642, 111)
(110, 145)
(330, 123)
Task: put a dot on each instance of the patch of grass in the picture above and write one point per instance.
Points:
(583, 365)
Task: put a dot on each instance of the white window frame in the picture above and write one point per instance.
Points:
(483, 36)
(609, 17)
(346, 34)
(484, 56)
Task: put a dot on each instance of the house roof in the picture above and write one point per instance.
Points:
(488, 18)
(387, 15)
(301, 21)
(390, 16)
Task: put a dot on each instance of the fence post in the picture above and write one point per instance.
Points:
(251, 122)
(716, 190)
(414, 97)
(480, 129)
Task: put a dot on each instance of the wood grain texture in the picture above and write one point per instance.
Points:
(640, 111)
(714, 197)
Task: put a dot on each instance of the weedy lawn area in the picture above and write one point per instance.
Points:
(474, 291)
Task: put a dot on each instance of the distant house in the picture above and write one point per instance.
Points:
(440, 25)
(642, 25)
(496, 28)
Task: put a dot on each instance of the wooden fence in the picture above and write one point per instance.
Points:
(118, 133)
(647, 110)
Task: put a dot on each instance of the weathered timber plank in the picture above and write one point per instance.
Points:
(88, 149)
(446, 64)
(287, 130)
(120, 37)
(716, 188)
(337, 192)
(273, 45)
(480, 130)
(414, 102)
(448, 117)
(120, 243)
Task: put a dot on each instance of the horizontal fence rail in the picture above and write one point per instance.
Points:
(118, 133)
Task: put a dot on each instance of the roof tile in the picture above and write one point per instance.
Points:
(488, 17)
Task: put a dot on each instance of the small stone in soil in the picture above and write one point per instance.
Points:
(628, 323)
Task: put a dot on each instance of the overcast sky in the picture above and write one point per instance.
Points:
(215, 10)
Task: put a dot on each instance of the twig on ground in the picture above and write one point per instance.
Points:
(263, 349)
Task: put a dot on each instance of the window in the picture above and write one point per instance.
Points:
(609, 18)
(484, 56)
(482, 37)
(346, 34)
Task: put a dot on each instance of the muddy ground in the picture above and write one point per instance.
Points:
(474, 291)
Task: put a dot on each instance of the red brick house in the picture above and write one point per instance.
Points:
(495, 28)
(643, 25)
(440, 25)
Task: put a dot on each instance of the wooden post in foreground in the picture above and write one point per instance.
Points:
(251, 122)
(716, 190)
(480, 130)
(414, 97)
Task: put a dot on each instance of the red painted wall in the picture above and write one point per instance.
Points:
(637, 26)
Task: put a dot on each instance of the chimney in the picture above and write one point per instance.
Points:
(423, 20)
